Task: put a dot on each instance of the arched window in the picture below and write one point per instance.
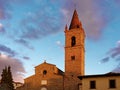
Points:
(73, 41)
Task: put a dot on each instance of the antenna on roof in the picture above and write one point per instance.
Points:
(75, 5)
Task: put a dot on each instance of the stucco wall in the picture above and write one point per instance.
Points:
(102, 83)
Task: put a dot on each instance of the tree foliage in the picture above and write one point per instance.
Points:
(7, 81)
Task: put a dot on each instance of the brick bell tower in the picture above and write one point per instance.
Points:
(74, 47)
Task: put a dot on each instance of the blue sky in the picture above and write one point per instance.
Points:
(32, 31)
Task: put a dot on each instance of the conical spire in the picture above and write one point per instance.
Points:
(75, 23)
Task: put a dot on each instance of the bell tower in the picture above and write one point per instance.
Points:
(74, 47)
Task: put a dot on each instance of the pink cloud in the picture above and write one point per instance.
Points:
(16, 67)
(94, 15)
(4, 13)
(117, 1)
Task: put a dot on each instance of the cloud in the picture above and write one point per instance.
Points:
(117, 1)
(114, 54)
(4, 12)
(60, 44)
(104, 60)
(95, 15)
(117, 69)
(6, 8)
(26, 58)
(24, 43)
(51, 16)
(7, 50)
(16, 66)
(43, 22)
(118, 43)
(2, 29)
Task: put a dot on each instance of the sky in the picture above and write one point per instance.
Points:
(32, 31)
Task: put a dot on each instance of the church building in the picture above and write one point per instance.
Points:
(49, 77)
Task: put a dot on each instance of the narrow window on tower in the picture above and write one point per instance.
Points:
(78, 26)
(73, 41)
(72, 57)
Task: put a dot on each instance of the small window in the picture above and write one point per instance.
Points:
(44, 72)
(73, 41)
(112, 84)
(92, 84)
(72, 57)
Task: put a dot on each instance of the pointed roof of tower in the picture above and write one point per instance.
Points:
(75, 23)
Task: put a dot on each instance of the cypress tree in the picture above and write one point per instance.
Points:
(7, 80)
(4, 76)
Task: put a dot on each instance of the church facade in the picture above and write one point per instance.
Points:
(48, 77)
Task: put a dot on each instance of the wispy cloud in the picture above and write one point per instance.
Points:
(7, 50)
(114, 54)
(104, 60)
(24, 43)
(43, 22)
(6, 8)
(17, 68)
(26, 58)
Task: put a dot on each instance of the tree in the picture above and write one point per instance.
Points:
(10, 79)
(7, 78)
(4, 76)
(4, 87)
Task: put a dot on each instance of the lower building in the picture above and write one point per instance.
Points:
(109, 81)
(17, 84)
